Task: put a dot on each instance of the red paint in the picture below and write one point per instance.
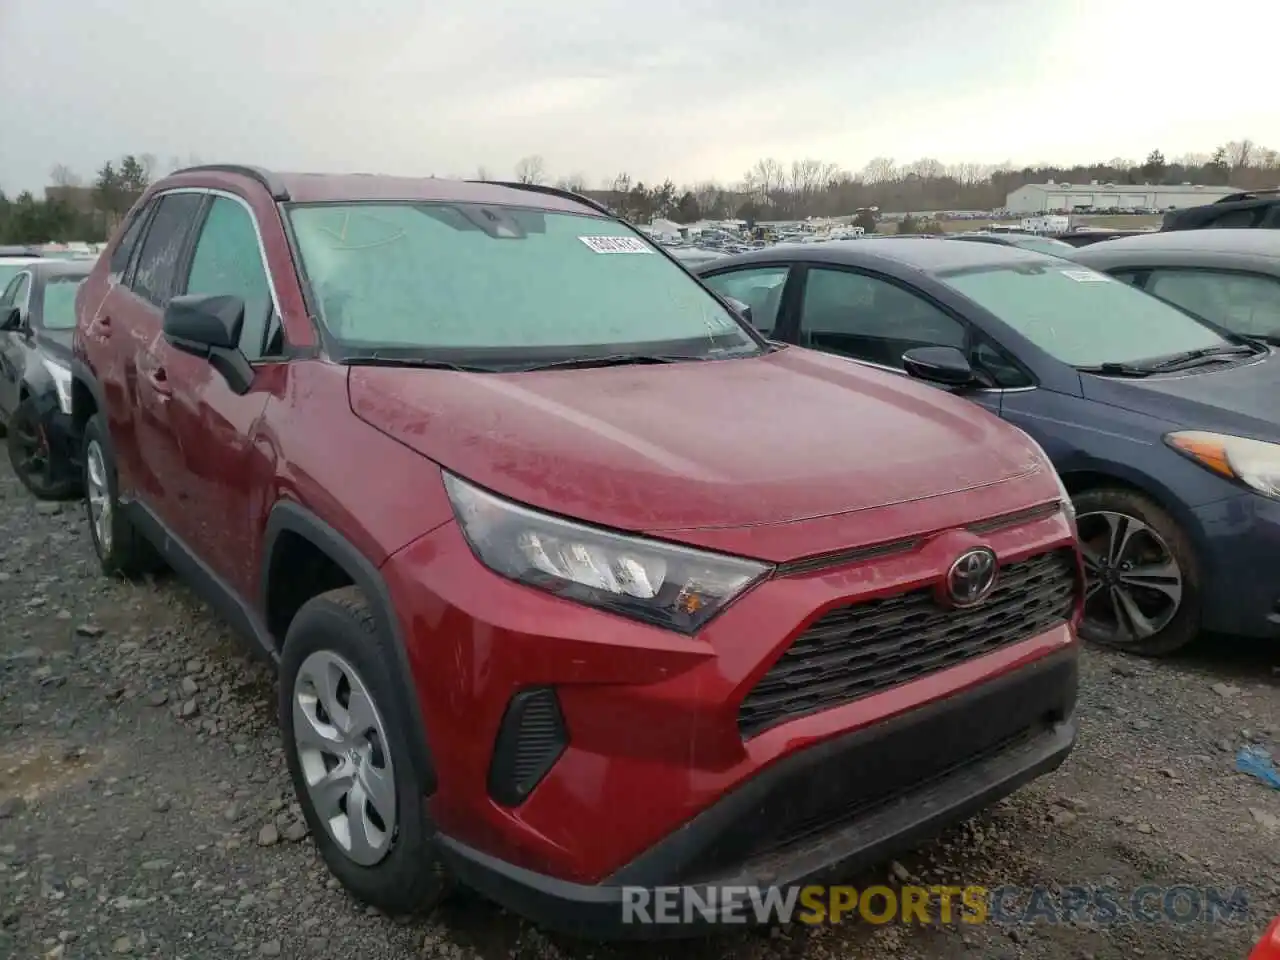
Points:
(1268, 948)
(778, 457)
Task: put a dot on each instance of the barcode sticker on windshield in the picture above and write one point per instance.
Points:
(616, 244)
(1086, 276)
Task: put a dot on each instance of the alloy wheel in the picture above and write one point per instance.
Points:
(99, 494)
(345, 757)
(34, 460)
(1133, 584)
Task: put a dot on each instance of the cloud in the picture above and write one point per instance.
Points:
(691, 89)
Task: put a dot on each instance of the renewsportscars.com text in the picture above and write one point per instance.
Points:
(938, 904)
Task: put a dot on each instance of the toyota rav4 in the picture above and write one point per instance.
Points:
(574, 583)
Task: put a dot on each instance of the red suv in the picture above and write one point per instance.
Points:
(573, 580)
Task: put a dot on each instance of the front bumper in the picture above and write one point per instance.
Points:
(1240, 539)
(805, 819)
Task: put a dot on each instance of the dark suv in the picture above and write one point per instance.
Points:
(1256, 209)
(574, 582)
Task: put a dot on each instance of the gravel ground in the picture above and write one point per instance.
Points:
(145, 810)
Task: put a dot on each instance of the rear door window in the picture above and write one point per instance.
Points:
(1242, 302)
(158, 260)
(123, 252)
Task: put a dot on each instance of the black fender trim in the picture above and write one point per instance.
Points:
(210, 587)
(289, 516)
(81, 373)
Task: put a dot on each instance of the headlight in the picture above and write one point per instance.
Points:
(659, 583)
(62, 383)
(1068, 508)
(1251, 462)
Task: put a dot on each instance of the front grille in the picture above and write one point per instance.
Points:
(868, 647)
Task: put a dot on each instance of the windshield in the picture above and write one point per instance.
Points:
(501, 284)
(1083, 317)
(58, 311)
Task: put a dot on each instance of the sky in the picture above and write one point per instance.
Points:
(693, 90)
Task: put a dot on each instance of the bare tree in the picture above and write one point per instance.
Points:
(482, 173)
(63, 176)
(925, 169)
(880, 170)
(1240, 153)
(531, 169)
(575, 182)
(149, 165)
(765, 180)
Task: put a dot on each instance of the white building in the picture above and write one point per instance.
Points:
(1054, 197)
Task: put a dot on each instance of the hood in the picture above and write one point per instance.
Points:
(1242, 398)
(785, 436)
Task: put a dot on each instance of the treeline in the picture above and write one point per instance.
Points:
(773, 190)
(72, 210)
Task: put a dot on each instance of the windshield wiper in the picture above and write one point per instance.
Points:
(1195, 357)
(1117, 370)
(613, 360)
(420, 363)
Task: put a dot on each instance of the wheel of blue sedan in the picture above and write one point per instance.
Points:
(1141, 583)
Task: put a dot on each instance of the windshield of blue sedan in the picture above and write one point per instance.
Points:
(500, 283)
(1082, 317)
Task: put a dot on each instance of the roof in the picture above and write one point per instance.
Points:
(1209, 246)
(928, 254)
(358, 187)
(1128, 188)
(44, 269)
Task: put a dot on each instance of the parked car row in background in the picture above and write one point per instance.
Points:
(1162, 422)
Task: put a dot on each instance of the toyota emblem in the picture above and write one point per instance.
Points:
(971, 577)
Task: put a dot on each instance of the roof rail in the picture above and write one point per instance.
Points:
(551, 191)
(1247, 195)
(278, 191)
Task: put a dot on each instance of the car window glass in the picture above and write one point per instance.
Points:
(10, 295)
(58, 303)
(1126, 276)
(1002, 370)
(8, 271)
(1235, 218)
(16, 294)
(1080, 316)
(1240, 302)
(760, 289)
(500, 282)
(870, 319)
(227, 261)
(121, 254)
(158, 259)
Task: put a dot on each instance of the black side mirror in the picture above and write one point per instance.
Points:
(942, 365)
(208, 326)
(741, 309)
(12, 320)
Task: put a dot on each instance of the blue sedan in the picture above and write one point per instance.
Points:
(1164, 428)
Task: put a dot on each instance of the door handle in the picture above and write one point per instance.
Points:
(159, 381)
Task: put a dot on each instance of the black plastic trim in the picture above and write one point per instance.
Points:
(80, 372)
(506, 786)
(279, 192)
(553, 192)
(212, 588)
(297, 519)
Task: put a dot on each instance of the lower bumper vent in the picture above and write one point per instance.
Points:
(530, 740)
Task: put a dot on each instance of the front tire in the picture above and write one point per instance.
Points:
(350, 760)
(1143, 586)
(32, 457)
(122, 550)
